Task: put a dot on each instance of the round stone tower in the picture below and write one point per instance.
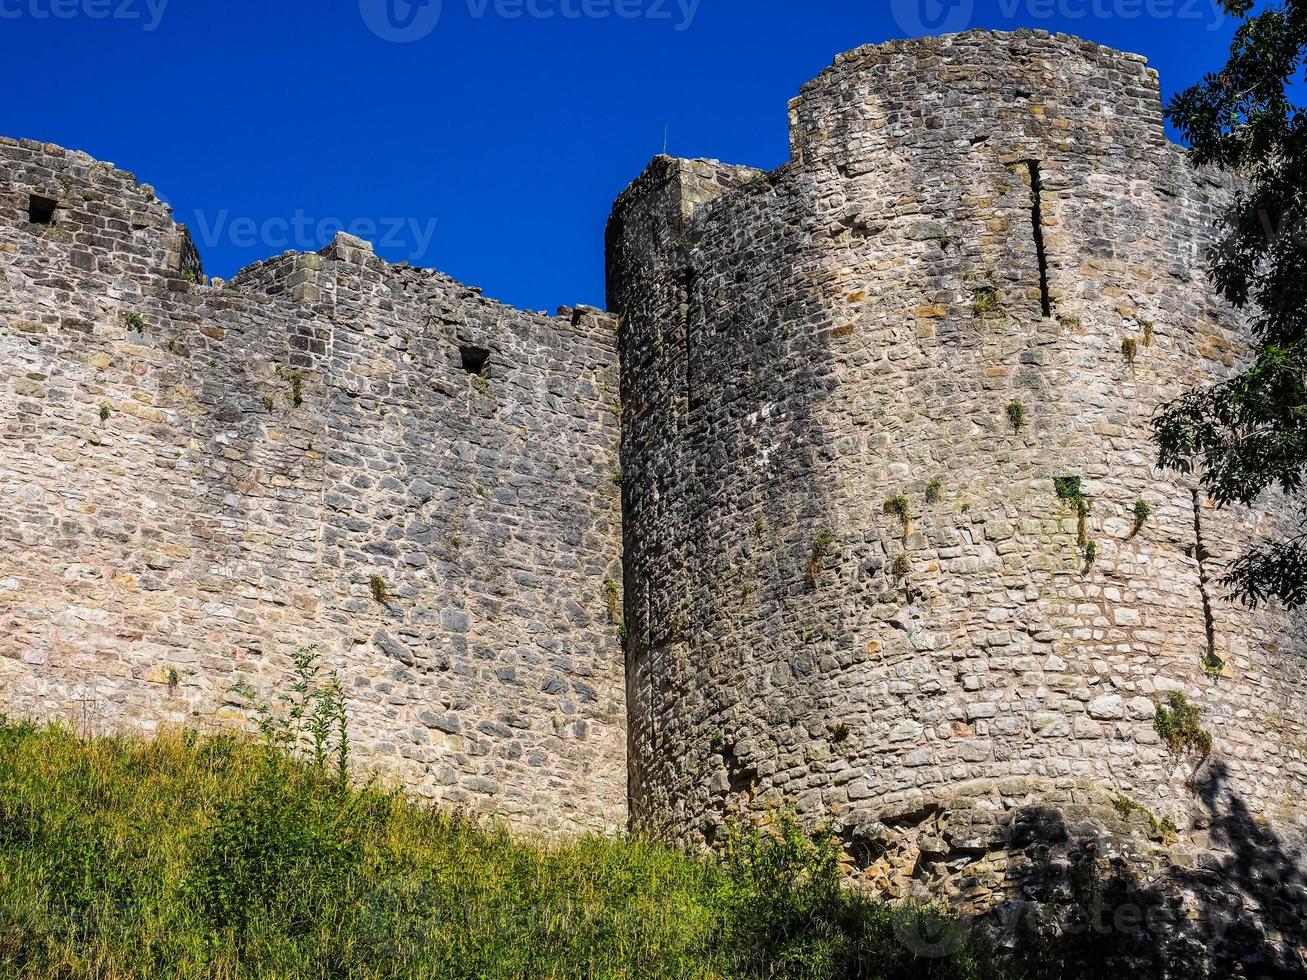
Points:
(897, 552)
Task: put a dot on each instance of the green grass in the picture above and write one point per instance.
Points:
(221, 857)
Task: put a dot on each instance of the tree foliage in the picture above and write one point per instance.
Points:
(1248, 434)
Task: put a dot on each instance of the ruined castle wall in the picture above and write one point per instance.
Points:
(270, 445)
(650, 280)
(967, 223)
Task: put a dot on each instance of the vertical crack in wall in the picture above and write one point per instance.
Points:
(1200, 553)
(1037, 219)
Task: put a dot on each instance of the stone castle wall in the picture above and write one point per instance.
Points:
(967, 223)
(197, 479)
(268, 446)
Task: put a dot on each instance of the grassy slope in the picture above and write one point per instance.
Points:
(215, 857)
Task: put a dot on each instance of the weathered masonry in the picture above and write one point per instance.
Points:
(886, 430)
(889, 539)
(198, 479)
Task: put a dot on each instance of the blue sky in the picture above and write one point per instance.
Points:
(485, 138)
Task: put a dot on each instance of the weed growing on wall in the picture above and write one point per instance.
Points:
(1091, 554)
(612, 597)
(986, 302)
(1069, 490)
(1141, 514)
(309, 717)
(1016, 416)
(1164, 829)
(898, 506)
(1213, 665)
(295, 379)
(821, 547)
(1177, 722)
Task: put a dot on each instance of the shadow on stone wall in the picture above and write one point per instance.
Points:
(1084, 907)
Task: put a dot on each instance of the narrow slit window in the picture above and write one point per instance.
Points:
(474, 359)
(1037, 219)
(40, 210)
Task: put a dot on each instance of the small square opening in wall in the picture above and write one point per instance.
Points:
(40, 210)
(474, 358)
